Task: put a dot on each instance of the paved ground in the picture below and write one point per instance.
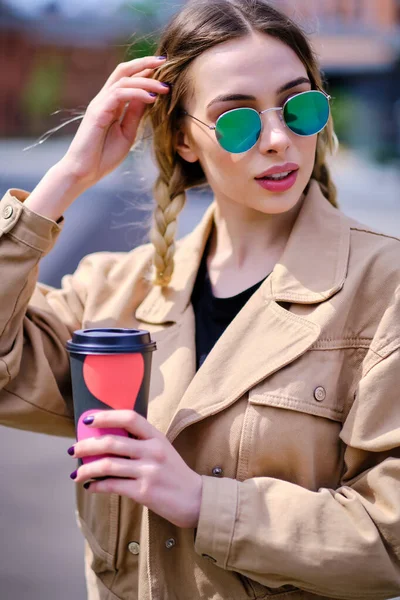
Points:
(41, 547)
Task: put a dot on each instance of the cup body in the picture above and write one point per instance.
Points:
(110, 369)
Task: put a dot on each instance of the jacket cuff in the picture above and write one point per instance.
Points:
(25, 225)
(217, 519)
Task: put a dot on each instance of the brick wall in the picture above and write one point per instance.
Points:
(38, 79)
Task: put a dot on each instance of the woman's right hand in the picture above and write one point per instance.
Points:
(103, 139)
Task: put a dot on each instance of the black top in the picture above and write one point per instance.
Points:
(213, 315)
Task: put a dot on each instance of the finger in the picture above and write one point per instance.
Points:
(130, 115)
(129, 420)
(122, 487)
(110, 466)
(133, 67)
(129, 120)
(111, 444)
(151, 85)
(145, 73)
(114, 103)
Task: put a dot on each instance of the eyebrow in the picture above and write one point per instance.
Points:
(283, 88)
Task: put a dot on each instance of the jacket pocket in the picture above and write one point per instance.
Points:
(98, 517)
(293, 421)
(318, 383)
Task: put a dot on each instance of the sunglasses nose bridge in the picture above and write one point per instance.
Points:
(268, 109)
(278, 108)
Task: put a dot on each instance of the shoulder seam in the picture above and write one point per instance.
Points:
(381, 358)
(385, 235)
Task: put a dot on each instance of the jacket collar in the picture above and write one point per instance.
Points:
(311, 269)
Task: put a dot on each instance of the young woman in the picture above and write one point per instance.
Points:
(269, 464)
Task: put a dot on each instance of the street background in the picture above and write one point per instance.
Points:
(55, 56)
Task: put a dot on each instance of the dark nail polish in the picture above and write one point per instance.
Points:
(161, 57)
(153, 95)
(165, 84)
(71, 451)
(86, 485)
(88, 420)
(74, 475)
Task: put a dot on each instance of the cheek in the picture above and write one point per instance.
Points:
(227, 173)
(222, 169)
(307, 147)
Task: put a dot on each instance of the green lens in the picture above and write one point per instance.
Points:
(307, 113)
(238, 130)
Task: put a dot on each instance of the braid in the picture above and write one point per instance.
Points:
(170, 198)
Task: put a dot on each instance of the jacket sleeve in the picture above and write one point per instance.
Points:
(35, 323)
(342, 543)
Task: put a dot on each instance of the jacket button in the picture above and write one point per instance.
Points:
(319, 394)
(208, 557)
(134, 548)
(8, 211)
(170, 543)
(217, 471)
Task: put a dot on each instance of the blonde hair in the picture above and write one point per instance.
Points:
(200, 25)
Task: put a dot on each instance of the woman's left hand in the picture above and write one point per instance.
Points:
(148, 469)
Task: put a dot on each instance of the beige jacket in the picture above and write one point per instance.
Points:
(293, 420)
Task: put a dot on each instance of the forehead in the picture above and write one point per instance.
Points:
(256, 64)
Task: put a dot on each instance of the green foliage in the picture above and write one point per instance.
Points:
(145, 45)
(342, 106)
(146, 8)
(42, 92)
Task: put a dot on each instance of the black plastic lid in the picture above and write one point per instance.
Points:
(110, 340)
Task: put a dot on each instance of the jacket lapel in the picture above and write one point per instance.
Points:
(264, 337)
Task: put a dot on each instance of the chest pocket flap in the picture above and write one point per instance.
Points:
(319, 383)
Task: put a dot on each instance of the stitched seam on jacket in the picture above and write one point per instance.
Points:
(387, 350)
(237, 497)
(381, 359)
(291, 316)
(113, 529)
(291, 401)
(341, 343)
(247, 434)
(385, 235)
(25, 243)
(49, 412)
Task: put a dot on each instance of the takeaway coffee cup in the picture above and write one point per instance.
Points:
(110, 369)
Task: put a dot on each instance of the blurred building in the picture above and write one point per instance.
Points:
(358, 42)
(49, 61)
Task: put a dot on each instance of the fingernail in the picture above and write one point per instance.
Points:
(153, 95)
(71, 451)
(161, 57)
(165, 84)
(86, 485)
(88, 420)
(74, 475)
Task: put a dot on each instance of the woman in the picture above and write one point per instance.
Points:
(269, 463)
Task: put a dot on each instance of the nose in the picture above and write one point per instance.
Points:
(274, 136)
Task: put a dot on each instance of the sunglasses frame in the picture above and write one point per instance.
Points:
(261, 112)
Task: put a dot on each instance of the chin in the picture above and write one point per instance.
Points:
(279, 202)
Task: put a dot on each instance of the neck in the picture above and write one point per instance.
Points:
(245, 245)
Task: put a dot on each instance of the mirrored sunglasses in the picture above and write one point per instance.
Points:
(238, 130)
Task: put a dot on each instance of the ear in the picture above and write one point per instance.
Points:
(184, 147)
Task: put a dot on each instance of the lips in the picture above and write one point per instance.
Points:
(278, 185)
(285, 168)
